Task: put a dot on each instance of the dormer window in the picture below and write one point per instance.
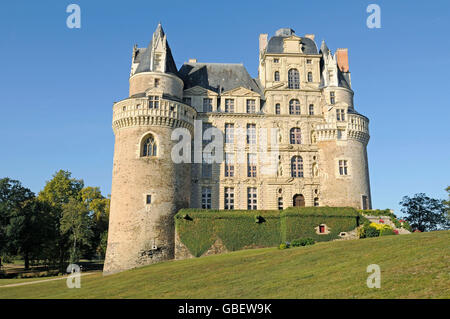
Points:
(340, 114)
(153, 102)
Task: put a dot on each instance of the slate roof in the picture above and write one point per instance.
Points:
(213, 76)
(275, 45)
(143, 56)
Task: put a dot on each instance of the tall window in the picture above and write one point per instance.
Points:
(365, 202)
(332, 98)
(205, 127)
(251, 165)
(294, 107)
(277, 108)
(252, 200)
(206, 197)
(280, 203)
(293, 79)
(153, 102)
(149, 147)
(229, 164)
(229, 198)
(229, 133)
(187, 100)
(207, 165)
(310, 78)
(296, 135)
(297, 166)
(156, 83)
(343, 168)
(229, 105)
(207, 105)
(251, 133)
(340, 114)
(251, 106)
(276, 76)
(311, 109)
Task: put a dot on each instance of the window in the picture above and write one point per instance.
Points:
(207, 105)
(276, 60)
(297, 166)
(332, 98)
(206, 126)
(153, 102)
(276, 76)
(365, 202)
(251, 133)
(148, 199)
(294, 107)
(156, 83)
(293, 79)
(251, 165)
(229, 133)
(206, 197)
(310, 77)
(316, 201)
(277, 108)
(229, 164)
(229, 105)
(187, 100)
(311, 109)
(149, 147)
(251, 106)
(229, 198)
(252, 202)
(280, 203)
(308, 61)
(207, 165)
(296, 136)
(343, 169)
(340, 114)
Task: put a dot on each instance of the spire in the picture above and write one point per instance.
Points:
(323, 48)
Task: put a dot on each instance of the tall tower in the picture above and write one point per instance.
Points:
(148, 188)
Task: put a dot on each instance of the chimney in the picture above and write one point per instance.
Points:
(310, 36)
(262, 42)
(192, 60)
(342, 59)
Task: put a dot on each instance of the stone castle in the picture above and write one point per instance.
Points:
(303, 92)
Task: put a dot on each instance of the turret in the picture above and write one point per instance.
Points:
(148, 188)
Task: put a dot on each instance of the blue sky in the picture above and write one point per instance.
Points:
(57, 85)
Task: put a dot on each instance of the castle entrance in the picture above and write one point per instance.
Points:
(299, 200)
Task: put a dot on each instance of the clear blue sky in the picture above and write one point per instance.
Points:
(57, 85)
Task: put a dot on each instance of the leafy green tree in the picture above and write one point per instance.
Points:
(424, 213)
(56, 193)
(76, 223)
(13, 197)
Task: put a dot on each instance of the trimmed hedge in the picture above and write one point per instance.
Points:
(198, 229)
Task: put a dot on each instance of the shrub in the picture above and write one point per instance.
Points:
(371, 232)
(386, 232)
(302, 242)
(284, 246)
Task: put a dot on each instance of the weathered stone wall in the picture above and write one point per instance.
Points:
(171, 84)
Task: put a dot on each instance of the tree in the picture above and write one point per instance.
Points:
(56, 193)
(424, 213)
(13, 199)
(75, 223)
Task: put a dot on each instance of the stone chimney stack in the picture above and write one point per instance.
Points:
(310, 36)
(262, 42)
(342, 59)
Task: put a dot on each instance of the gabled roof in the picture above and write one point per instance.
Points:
(217, 77)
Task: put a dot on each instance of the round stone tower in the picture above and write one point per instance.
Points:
(148, 188)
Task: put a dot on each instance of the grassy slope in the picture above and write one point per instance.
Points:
(412, 266)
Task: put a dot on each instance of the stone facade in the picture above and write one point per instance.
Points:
(302, 92)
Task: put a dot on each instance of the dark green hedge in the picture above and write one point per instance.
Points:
(198, 229)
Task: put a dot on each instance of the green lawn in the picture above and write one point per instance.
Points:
(412, 266)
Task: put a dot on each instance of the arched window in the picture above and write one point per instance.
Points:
(296, 136)
(297, 166)
(149, 146)
(293, 79)
(277, 108)
(276, 76)
(294, 107)
(310, 79)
